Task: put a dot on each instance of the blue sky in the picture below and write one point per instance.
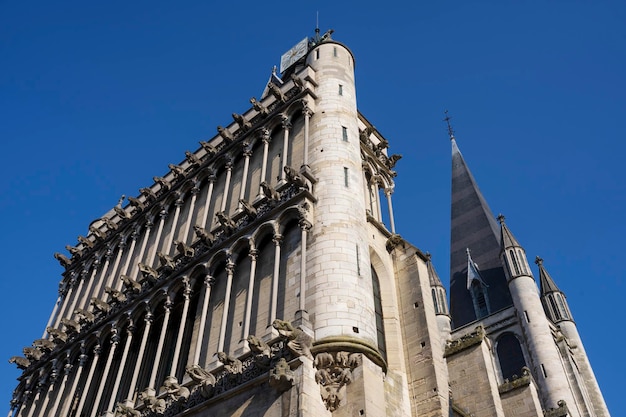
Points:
(98, 97)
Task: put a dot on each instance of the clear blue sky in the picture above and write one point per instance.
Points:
(97, 97)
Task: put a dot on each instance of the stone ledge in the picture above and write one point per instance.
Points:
(467, 341)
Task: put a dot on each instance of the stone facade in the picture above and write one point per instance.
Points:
(257, 278)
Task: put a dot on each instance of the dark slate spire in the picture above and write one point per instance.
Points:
(473, 227)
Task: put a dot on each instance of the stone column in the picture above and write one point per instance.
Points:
(247, 153)
(105, 268)
(181, 328)
(153, 250)
(229, 169)
(118, 378)
(266, 138)
(129, 255)
(192, 205)
(208, 283)
(84, 299)
(286, 126)
(277, 239)
(67, 369)
(24, 405)
(157, 356)
(67, 294)
(146, 332)
(144, 244)
(306, 110)
(114, 340)
(209, 195)
(81, 281)
(305, 226)
(253, 254)
(53, 377)
(388, 192)
(53, 315)
(70, 397)
(168, 245)
(230, 269)
(85, 393)
(38, 389)
(118, 258)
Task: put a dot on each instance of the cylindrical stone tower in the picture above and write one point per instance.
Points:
(547, 364)
(339, 296)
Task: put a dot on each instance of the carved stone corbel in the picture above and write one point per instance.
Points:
(393, 242)
(281, 376)
(333, 374)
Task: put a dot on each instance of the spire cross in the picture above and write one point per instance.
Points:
(447, 120)
(538, 261)
(501, 218)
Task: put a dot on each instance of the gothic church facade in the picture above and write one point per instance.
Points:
(258, 278)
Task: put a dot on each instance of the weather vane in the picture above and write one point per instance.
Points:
(447, 120)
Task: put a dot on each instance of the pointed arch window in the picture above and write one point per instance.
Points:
(378, 311)
(510, 356)
(479, 298)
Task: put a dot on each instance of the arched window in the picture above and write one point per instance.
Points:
(510, 356)
(378, 310)
(479, 297)
(514, 261)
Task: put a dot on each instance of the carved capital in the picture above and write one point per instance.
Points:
(264, 135)
(334, 372)
(277, 239)
(253, 254)
(285, 122)
(209, 280)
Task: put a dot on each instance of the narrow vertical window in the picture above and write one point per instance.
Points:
(358, 261)
(334, 51)
(344, 133)
(317, 54)
(340, 90)
(345, 176)
(378, 312)
(514, 261)
(435, 301)
(521, 262)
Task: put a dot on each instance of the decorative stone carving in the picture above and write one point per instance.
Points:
(560, 411)
(270, 192)
(165, 184)
(130, 285)
(58, 336)
(228, 225)
(393, 242)
(120, 211)
(297, 340)
(232, 365)
(225, 134)
(192, 159)
(44, 345)
(258, 106)
(148, 193)
(206, 237)
(32, 354)
(152, 403)
(74, 251)
(392, 160)
(208, 148)
(333, 374)
(364, 135)
(244, 125)
(149, 274)
(63, 260)
(21, 362)
(99, 305)
(293, 177)
(261, 350)
(184, 250)
(174, 390)
(166, 261)
(122, 410)
(85, 317)
(177, 170)
(135, 202)
(247, 208)
(72, 326)
(281, 376)
(383, 144)
(464, 342)
(201, 377)
(115, 295)
(97, 232)
(298, 82)
(86, 242)
(275, 90)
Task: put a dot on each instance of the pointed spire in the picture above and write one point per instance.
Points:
(447, 120)
(506, 237)
(433, 277)
(545, 280)
(474, 226)
(472, 271)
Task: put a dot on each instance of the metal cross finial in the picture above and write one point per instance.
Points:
(501, 218)
(447, 120)
(538, 261)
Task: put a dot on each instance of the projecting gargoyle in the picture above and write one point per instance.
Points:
(85, 317)
(247, 208)
(135, 202)
(166, 261)
(63, 260)
(72, 326)
(74, 251)
(208, 148)
(110, 223)
(225, 134)
(184, 250)
(228, 225)
(244, 125)
(192, 158)
(275, 90)
(32, 354)
(165, 184)
(115, 296)
(44, 345)
(130, 285)
(58, 336)
(148, 193)
(149, 273)
(21, 362)
(177, 170)
(206, 237)
(258, 106)
(270, 192)
(99, 305)
(293, 177)
(86, 242)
